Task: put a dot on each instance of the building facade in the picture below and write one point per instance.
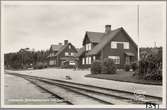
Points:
(115, 44)
(62, 54)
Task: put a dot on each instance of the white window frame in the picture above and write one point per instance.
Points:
(72, 54)
(66, 54)
(116, 59)
(89, 62)
(51, 62)
(126, 45)
(69, 46)
(94, 58)
(113, 45)
(88, 46)
(83, 61)
(71, 63)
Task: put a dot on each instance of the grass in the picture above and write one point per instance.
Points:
(124, 77)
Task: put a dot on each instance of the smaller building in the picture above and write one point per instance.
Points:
(62, 55)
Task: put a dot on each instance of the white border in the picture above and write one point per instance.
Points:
(163, 3)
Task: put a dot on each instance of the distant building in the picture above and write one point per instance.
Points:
(115, 44)
(62, 54)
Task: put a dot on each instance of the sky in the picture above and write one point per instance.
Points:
(39, 26)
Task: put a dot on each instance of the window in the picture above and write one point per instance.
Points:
(114, 45)
(89, 60)
(51, 54)
(69, 47)
(71, 63)
(127, 60)
(72, 54)
(88, 46)
(51, 62)
(66, 54)
(83, 61)
(126, 45)
(116, 59)
(94, 58)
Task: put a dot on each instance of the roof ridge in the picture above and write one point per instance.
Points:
(104, 32)
(96, 32)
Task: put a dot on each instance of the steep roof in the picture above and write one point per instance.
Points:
(56, 47)
(95, 36)
(80, 52)
(63, 47)
(106, 38)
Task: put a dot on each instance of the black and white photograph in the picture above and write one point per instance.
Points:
(83, 54)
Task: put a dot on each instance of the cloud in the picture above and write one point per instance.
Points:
(39, 26)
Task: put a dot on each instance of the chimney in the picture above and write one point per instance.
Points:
(107, 28)
(60, 43)
(65, 42)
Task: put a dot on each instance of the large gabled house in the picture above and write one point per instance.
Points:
(61, 54)
(115, 44)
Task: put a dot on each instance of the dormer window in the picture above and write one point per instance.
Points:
(88, 46)
(126, 45)
(72, 54)
(66, 54)
(113, 45)
(51, 54)
(69, 46)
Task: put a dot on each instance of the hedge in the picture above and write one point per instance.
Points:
(96, 67)
(150, 67)
(105, 67)
(108, 66)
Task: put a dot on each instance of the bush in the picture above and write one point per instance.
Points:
(153, 76)
(108, 66)
(150, 67)
(64, 65)
(134, 66)
(96, 67)
(16, 66)
(40, 65)
(127, 67)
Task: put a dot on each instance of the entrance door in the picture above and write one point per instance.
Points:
(127, 60)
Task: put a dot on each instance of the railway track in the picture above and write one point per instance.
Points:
(88, 93)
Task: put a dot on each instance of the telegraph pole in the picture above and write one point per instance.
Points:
(155, 45)
(138, 31)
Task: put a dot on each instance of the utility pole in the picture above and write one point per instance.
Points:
(138, 31)
(155, 44)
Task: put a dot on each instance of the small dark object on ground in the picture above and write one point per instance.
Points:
(68, 78)
(134, 66)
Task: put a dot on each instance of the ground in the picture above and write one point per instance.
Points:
(125, 77)
(20, 91)
(79, 77)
